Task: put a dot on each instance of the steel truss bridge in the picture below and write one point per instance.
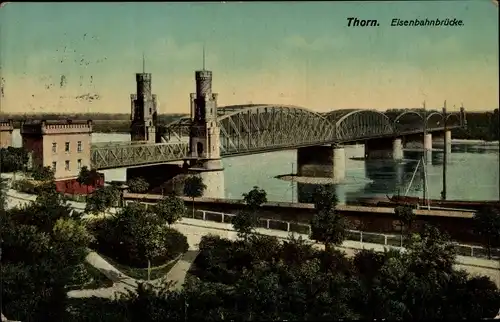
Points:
(251, 129)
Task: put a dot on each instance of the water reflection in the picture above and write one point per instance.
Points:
(473, 173)
(467, 176)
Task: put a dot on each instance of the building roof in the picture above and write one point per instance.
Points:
(44, 127)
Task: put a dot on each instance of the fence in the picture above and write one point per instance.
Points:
(353, 235)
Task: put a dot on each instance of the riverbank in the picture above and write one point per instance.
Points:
(474, 142)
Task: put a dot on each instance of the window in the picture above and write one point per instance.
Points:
(79, 164)
(150, 111)
(79, 146)
(54, 166)
(54, 147)
(66, 147)
(66, 165)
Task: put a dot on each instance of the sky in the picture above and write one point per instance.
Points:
(55, 57)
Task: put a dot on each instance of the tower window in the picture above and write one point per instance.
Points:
(66, 147)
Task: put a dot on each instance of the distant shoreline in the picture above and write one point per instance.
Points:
(482, 128)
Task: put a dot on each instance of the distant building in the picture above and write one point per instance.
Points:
(6, 128)
(62, 145)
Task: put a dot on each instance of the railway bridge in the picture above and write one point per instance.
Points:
(260, 128)
(211, 133)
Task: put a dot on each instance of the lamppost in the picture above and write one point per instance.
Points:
(445, 153)
(291, 183)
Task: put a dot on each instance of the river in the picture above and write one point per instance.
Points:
(472, 173)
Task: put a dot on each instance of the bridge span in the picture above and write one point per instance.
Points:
(260, 128)
(215, 132)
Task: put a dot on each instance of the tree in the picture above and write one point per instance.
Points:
(406, 216)
(244, 223)
(194, 187)
(171, 208)
(83, 177)
(138, 185)
(13, 159)
(246, 220)
(495, 125)
(255, 198)
(43, 174)
(3, 195)
(151, 243)
(136, 236)
(327, 226)
(487, 224)
(432, 250)
(102, 199)
(87, 177)
(325, 197)
(43, 245)
(48, 196)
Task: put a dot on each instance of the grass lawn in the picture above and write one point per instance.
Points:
(96, 279)
(142, 273)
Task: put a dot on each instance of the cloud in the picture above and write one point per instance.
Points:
(317, 44)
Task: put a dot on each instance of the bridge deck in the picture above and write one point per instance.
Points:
(258, 128)
(108, 155)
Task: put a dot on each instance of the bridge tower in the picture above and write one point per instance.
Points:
(204, 141)
(143, 109)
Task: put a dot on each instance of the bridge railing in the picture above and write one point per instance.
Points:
(353, 235)
(129, 155)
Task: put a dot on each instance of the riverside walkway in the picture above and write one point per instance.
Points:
(194, 229)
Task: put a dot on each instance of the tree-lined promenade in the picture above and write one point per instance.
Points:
(253, 278)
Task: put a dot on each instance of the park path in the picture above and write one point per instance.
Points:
(124, 283)
(177, 275)
(178, 272)
(121, 282)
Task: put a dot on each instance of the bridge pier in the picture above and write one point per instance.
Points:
(212, 173)
(428, 147)
(444, 136)
(447, 135)
(321, 162)
(384, 149)
(428, 142)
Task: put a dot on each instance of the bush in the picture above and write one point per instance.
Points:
(26, 186)
(176, 243)
(13, 159)
(42, 173)
(77, 198)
